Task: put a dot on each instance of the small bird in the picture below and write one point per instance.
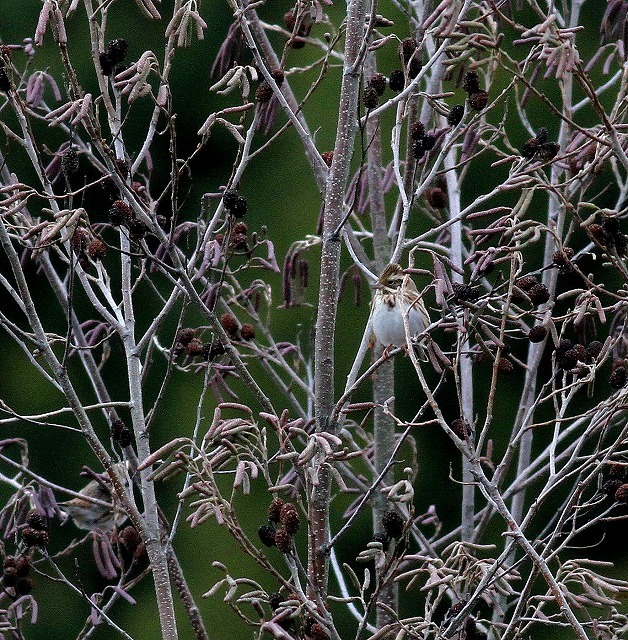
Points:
(88, 514)
(396, 297)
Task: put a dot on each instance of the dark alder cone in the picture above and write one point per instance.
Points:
(130, 538)
(267, 534)
(393, 524)
(383, 539)
(567, 359)
(455, 115)
(562, 259)
(117, 50)
(123, 166)
(505, 366)
(619, 377)
(247, 331)
(106, 64)
(80, 240)
(307, 627)
(596, 231)
(70, 161)
(564, 345)
(264, 92)
(594, 349)
(621, 494)
(290, 19)
(274, 509)
(537, 334)
(140, 554)
(530, 148)
(417, 131)
(194, 347)
(370, 98)
(120, 433)
(526, 283)
(464, 292)
(478, 100)
(378, 83)
(185, 335)
(23, 566)
(34, 538)
(577, 352)
(541, 135)
(9, 576)
(212, 350)
(37, 521)
(239, 235)
(275, 600)
(562, 360)
(428, 141)
(548, 150)
(539, 294)
(23, 586)
(239, 208)
(120, 213)
(97, 249)
(137, 229)
(415, 67)
(283, 540)
(230, 324)
(616, 470)
(418, 150)
(327, 157)
(289, 518)
(610, 487)
(397, 81)
(278, 76)
(229, 198)
(471, 82)
(436, 197)
(406, 49)
(611, 225)
(124, 438)
(460, 427)
(317, 632)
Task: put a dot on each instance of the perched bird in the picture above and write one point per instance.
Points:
(396, 297)
(97, 509)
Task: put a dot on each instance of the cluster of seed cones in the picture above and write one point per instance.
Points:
(284, 514)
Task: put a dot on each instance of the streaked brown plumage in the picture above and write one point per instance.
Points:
(397, 297)
(88, 514)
